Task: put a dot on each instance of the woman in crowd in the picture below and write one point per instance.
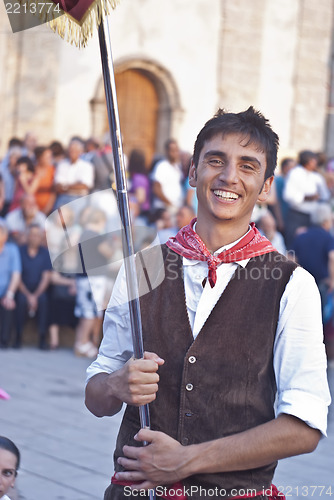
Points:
(140, 184)
(62, 297)
(44, 193)
(9, 464)
(58, 152)
(25, 181)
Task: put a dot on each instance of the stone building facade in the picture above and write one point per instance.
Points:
(176, 62)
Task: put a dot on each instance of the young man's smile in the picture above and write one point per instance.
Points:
(227, 196)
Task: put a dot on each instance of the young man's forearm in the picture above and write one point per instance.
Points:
(280, 438)
(165, 460)
(100, 399)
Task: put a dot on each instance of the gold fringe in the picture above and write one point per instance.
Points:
(71, 30)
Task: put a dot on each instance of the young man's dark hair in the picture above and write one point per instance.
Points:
(251, 124)
(305, 156)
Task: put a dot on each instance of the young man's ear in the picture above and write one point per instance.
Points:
(192, 175)
(265, 189)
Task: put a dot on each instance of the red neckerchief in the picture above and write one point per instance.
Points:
(188, 244)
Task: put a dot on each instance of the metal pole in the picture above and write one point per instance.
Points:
(123, 207)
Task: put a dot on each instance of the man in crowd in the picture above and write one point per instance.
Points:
(31, 296)
(314, 250)
(29, 144)
(268, 227)
(103, 163)
(304, 189)
(7, 170)
(74, 177)
(184, 216)
(232, 324)
(10, 269)
(21, 218)
(167, 179)
(286, 165)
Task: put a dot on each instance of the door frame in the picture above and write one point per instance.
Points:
(170, 112)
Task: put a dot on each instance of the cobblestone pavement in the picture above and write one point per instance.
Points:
(67, 452)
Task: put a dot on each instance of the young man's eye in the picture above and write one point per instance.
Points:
(216, 162)
(246, 166)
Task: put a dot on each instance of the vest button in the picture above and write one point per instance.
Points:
(185, 441)
(192, 359)
(189, 387)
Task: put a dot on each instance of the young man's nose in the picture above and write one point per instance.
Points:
(229, 173)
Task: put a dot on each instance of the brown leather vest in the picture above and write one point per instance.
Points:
(222, 382)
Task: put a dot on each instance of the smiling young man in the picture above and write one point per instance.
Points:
(233, 325)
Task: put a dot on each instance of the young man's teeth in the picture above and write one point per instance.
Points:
(226, 195)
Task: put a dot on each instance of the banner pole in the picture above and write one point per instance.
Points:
(123, 207)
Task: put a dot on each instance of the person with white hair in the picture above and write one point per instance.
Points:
(268, 228)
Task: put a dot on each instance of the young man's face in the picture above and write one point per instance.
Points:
(229, 179)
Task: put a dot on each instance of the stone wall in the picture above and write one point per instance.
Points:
(274, 54)
(29, 68)
(312, 74)
(241, 47)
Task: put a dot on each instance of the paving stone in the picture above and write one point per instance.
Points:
(67, 452)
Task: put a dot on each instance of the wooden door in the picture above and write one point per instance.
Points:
(138, 109)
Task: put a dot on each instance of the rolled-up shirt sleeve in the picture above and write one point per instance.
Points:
(116, 346)
(299, 354)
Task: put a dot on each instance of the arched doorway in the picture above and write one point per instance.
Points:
(149, 106)
(138, 105)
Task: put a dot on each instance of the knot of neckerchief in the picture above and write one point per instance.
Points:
(188, 244)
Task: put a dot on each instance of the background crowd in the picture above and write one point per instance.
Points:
(60, 241)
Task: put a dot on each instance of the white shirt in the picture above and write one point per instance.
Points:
(16, 222)
(170, 178)
(300, 183)
(299, 353)
(68, 173)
